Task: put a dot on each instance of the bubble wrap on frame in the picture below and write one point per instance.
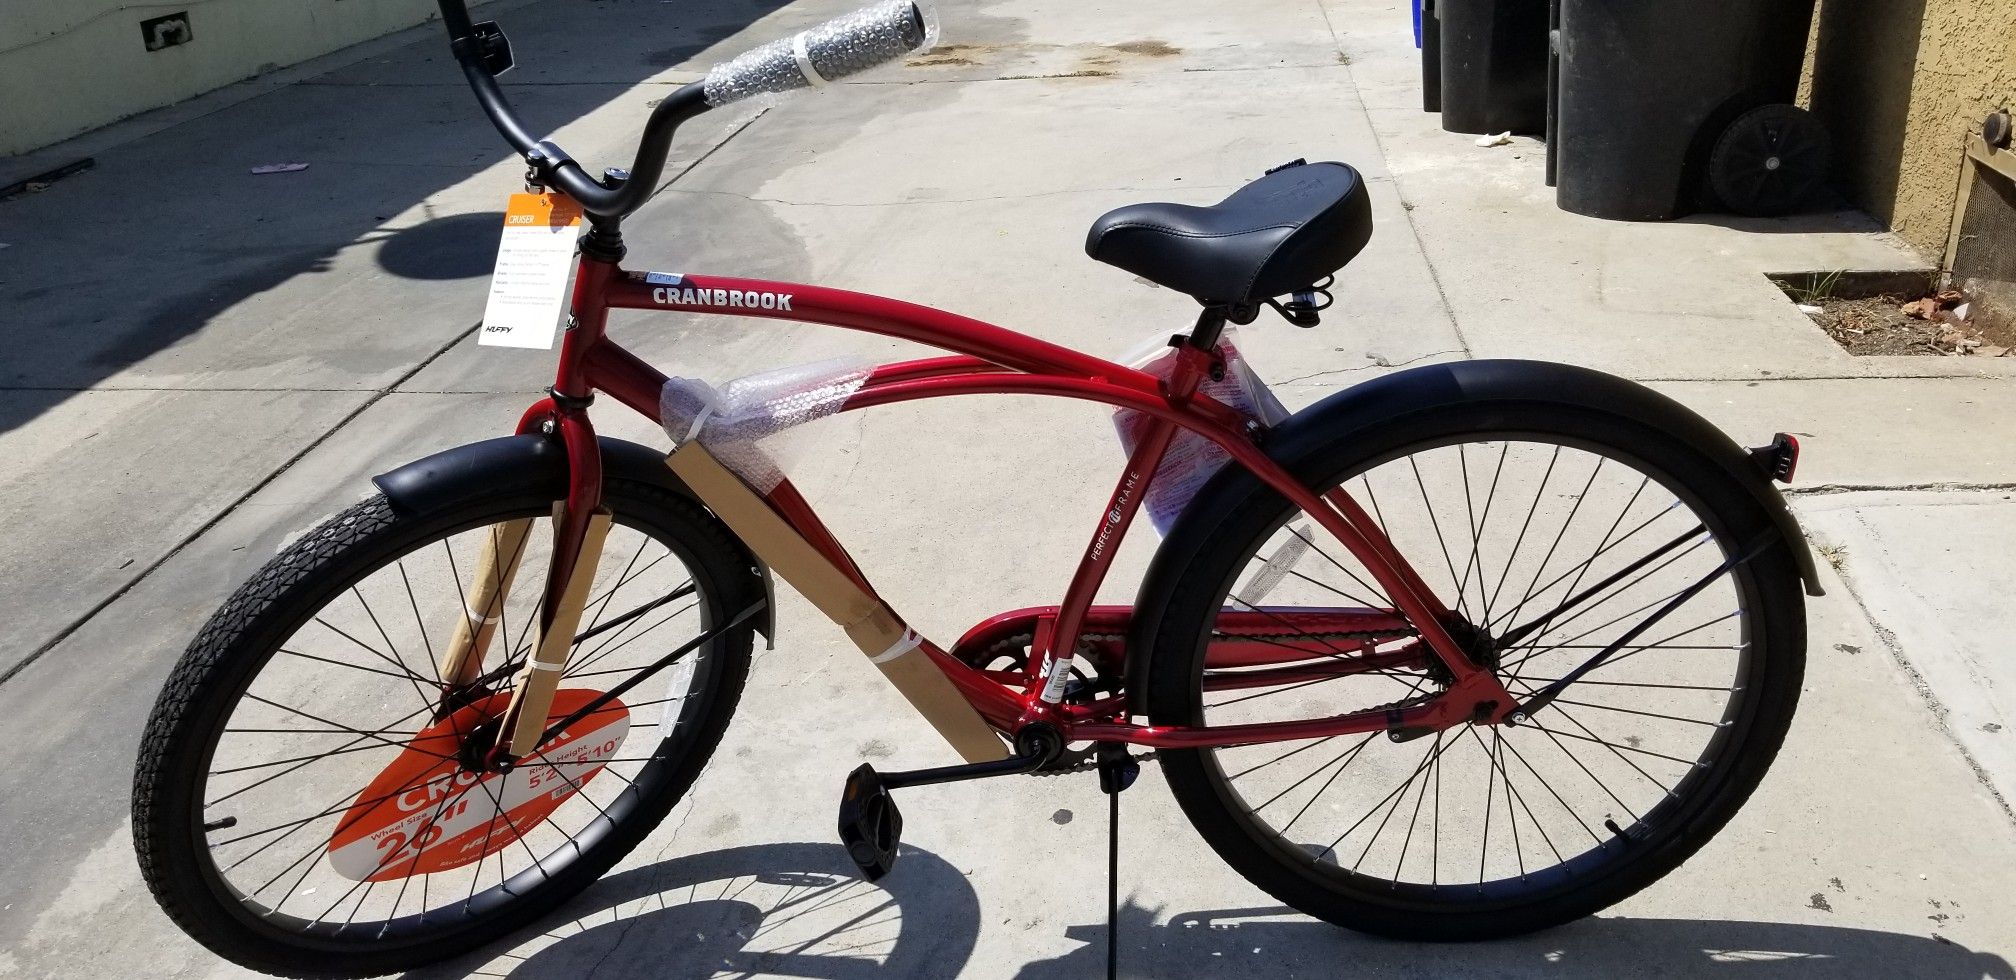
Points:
(838, 48)
(732, 419)
(1191, 459)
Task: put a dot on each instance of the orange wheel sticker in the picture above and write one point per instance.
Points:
(424, 813)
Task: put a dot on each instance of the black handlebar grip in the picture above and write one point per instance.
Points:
(833, 50)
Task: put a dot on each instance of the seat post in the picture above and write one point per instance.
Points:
(1210, 323)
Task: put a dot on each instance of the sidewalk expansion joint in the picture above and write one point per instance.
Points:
(1895, 649)
(1950, 486)
(218, 518)
(1407, 210)
(97, 389)
(377, 395)
(956, 200)
(507, 86)
(1726, 379)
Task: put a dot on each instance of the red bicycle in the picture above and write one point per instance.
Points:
(1462, 652)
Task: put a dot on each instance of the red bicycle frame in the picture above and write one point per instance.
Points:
(991, 360)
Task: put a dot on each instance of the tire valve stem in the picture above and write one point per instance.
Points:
(224, 824)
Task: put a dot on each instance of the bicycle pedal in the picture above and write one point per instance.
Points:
(870, 824)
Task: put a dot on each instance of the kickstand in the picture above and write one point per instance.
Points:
(1117, 770)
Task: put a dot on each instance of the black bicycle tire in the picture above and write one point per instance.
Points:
(1174, 695)
(233, 645)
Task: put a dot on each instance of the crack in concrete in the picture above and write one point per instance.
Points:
(1382, 363)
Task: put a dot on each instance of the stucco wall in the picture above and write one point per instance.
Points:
(1900, 84)
(67, 66)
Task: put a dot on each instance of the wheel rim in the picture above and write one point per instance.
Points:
(1770, 161)
(1493, 816)
(354, 683)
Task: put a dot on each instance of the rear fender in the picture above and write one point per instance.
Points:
(1299, 443)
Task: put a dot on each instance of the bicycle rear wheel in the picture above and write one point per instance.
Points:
(1507, 512)
(303, 801)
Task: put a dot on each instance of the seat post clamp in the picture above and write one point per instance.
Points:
(569, 402)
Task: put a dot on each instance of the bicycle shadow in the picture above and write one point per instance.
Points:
(799, 910)
(1278, 942)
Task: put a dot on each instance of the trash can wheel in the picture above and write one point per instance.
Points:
(1770, 161)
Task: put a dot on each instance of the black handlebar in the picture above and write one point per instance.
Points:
(552, 164)
(875, 34)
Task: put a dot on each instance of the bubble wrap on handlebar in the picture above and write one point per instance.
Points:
(733, 419)
(833, 50)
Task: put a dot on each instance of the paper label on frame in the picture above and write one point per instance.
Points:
(535, 260)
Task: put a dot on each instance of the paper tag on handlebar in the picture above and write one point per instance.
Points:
(535, 259)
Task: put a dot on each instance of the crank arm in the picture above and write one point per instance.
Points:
(1546, 695)
(1014, 765)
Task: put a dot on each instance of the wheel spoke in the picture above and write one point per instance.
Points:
(1345, 757)
(1512, 557)
(321, 693)
(1436, 524)
(1384, 601)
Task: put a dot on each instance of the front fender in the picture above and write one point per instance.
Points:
(534, 463)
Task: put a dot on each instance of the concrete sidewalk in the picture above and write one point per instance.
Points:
(202, 363)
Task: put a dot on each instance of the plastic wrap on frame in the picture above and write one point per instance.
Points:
(1191, 459)
(831, 51)
(733, 419)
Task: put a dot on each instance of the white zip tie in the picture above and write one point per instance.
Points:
(480, 619)
(699, 419)
(909, 641)
(804, 58)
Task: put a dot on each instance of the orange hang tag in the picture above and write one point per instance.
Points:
(535, 260)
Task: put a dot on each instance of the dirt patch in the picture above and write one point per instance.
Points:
(1151, 47)
(1906, 312)
(951, 55)
(1882, 325)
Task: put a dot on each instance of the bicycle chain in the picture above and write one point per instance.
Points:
(1086, 759)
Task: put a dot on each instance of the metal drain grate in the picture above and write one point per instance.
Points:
(1984, 246)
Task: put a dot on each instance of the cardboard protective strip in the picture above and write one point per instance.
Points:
(503, 548)
(869, 623)
(533, 698)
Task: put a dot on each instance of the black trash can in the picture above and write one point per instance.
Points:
(1431, 57)
(1659, 109)
(1494, 65)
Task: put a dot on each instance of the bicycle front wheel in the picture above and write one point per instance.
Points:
(310, 798)
(1550, 531)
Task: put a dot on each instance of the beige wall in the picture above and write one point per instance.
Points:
(1900, 84)
(67, 66)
